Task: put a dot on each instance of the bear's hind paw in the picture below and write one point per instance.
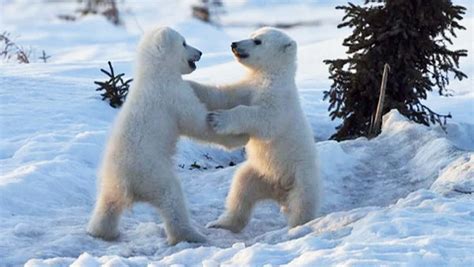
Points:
(188, 236)
(224, 224)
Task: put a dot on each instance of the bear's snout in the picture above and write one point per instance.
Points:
(240, 49)
(197, 56)
(240, 53)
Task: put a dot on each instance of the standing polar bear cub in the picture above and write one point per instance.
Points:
(137, 164)
(282, 163)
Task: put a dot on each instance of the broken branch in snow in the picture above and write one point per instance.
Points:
(376, 125)
(44, 57)
(462, 191)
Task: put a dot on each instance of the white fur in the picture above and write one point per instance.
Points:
(282, 161)
(137, 165)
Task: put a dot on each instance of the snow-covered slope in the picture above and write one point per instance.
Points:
(404, 197)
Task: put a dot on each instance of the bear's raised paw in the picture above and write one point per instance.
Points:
(220, 122)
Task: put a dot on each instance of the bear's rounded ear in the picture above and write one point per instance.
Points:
(162, 39)
(289, 46)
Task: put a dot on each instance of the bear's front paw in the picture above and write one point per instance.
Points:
(219, 122)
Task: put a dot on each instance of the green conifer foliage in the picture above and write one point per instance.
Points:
(413, 37)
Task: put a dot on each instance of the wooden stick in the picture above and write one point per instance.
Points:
(377, 126)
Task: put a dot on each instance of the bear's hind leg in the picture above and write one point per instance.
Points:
(303, 199)
(246, 189)
(172, 208)
(106, 215)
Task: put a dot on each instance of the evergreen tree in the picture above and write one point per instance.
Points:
(412, 36)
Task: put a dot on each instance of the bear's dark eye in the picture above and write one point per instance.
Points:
(257, 42)
(184, 43)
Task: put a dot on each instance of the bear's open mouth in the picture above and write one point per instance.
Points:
(192, 64)
(241, 55)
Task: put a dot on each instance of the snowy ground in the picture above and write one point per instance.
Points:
(401, 198)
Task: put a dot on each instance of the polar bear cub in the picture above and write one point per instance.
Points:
(137, 164)
(282, 161)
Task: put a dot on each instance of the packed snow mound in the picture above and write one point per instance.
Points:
(405, 157)
(421, 229)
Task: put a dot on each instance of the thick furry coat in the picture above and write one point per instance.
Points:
(282, 162)
(137, 164)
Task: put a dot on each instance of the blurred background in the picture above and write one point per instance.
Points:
(85, 34)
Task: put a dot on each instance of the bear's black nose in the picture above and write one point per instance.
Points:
(233, 45)
(200, 53)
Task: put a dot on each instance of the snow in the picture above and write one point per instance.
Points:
(402, 198)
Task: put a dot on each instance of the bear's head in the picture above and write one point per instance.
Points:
(165, 47)
(266, 49)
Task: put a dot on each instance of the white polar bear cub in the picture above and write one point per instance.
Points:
(137, 164)
(282, 162)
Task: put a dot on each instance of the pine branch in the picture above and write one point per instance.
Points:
(116, 89)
